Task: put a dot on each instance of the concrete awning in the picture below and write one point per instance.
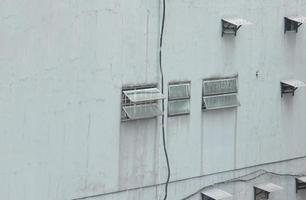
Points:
(269, 187)
(302, 179)
(294, 83)
(298, 19)
(237, 21)
(217, 194)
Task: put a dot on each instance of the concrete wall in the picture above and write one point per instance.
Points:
(62, 66)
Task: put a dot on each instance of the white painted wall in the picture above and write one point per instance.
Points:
(62, 66)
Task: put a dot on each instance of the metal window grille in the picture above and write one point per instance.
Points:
(140, 102)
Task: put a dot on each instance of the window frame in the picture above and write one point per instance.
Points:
(218, 93)
(224, 107)
(170, 99)
(125, 102)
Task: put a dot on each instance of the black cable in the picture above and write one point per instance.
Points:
(163, 101)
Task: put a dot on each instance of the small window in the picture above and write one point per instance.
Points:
(140, 102)
(220, 101)
(179, 91)
(221, 86)
(142, 111)
(179, 99)
(178, 107)
(220, 93)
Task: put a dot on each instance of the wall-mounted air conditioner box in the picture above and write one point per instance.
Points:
(293, 23)
(262, 191)
(178, 98)
(300, 183)
(231, 26)
(216, 194)
(140, 102)
(220, 93)
(289, 86)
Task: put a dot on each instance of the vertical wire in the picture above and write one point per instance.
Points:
(163, 101)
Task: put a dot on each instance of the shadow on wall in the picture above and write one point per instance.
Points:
(218, 132)
(301, 195)
(138, 159)
(228, 51)
(287, 102)
(290, 46)
(178, 125)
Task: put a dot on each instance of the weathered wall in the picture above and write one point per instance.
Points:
(62, 66)
(241, 190)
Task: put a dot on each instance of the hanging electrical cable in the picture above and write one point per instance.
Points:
(163, 101)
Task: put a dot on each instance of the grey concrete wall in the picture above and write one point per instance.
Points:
(62, 66)
(284, 176)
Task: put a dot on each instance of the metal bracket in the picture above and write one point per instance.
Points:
(259, 194)
(228, 28)
(299, 185)
(291, 25)
(287, 89)
(206, 197)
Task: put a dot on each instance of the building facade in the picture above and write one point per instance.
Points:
(63, 64)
